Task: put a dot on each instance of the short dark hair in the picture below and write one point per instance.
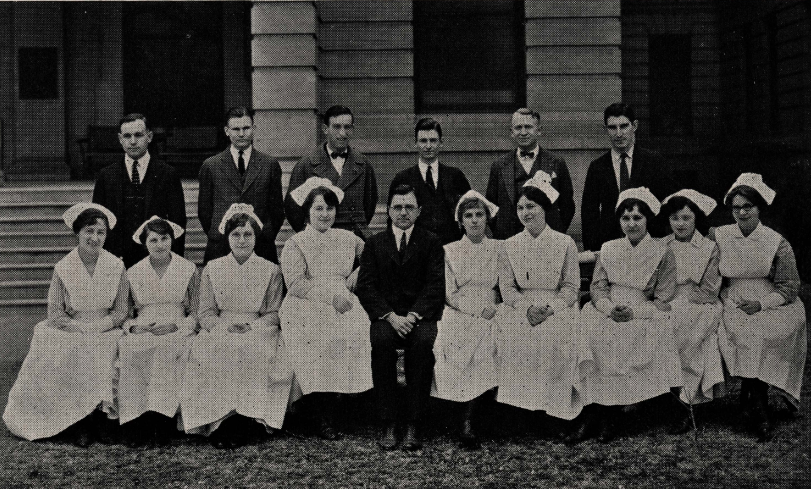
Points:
(132, 117)
(237, 112)
(329, 198)
(678, 203)
(530, 112)
(335, 111)
(88, 217)
(403, 189)
(748, 193)
(536, 195)
(427, 124)
(239, 220)
(471, 203)
(629, 204)
(157, 226)
(619, 109)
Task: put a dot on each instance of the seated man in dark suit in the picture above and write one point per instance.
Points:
(401, 284)
(438, 187)
(345, 167)
(625, 166)
(244, 174)
(509, 173)
(136, 189)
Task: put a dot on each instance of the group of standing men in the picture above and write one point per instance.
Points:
(401, 283)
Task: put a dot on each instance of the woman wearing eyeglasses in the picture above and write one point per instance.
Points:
(762, 336)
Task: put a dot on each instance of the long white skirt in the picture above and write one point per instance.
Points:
(696, 337)
(329, 352)
(626, 363)
(151, 372)
(769, 345)
(236, 373)
(64, 377)
(537, 365)
(465, 353)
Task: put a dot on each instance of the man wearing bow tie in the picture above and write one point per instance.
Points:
(346, 168)
(508, 174)
(136, 189)
(241, 174)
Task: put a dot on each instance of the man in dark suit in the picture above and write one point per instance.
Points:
(241, 174)
(401, 284)
(509, 173)
(438, 187)
(137, 189)
(625, 166)
(345, 168)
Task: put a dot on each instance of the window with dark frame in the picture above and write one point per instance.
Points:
(469, 55)
(670, 85)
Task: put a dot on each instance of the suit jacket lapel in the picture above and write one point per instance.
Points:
(253, 170)
(411, 245)
(119, 179)
(391, 244)
(351, 171)
(150, 180)
(508, 175)
(323, 167)
(230, 170)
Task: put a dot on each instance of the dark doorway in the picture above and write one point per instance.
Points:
(173, 62)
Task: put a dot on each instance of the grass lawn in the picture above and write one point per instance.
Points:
(514, 452)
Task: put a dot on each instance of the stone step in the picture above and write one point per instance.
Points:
(54, 223)
(25, 271)
(52, 209)
(70, 192)
(24, 289)
(66, 237)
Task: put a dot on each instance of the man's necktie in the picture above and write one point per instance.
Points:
(429, 179)
(336, 154)
(625, 176)
(241, 164)
(136, 176)
(402, 247)
(527, 154)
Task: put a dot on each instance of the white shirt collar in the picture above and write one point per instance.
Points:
(143, 163)
(616, 159)
(615, 155)
(246, 155)
(434, 170)
(399, 232)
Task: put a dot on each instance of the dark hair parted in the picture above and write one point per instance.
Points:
(239, 220)
(89, 217)
(630, 204)
(329, 198)
(678, 203)
(158, 226)
(335, 111)
(427, 124)
(237, 112)
(403, 189)
(748, 193)
(536, 195)
(618, 110)
(134, 116)
(471, 203)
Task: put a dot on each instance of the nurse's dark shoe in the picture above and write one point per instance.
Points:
(389, 439)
